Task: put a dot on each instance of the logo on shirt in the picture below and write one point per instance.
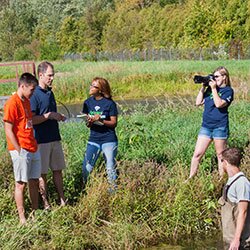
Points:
(211, 95)
(96, 111)
(29, 124)
(97, 108)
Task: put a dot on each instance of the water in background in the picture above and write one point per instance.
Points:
(127, 106)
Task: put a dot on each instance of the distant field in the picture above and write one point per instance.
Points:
(131, 80)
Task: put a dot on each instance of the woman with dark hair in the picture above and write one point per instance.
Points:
(216, 97)
(101, 114)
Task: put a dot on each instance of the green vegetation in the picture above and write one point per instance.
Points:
(152, 205)
(30, 29)
(130, 80)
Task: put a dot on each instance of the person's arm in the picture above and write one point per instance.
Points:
(109, 123)
(37, 119)
(200, 96)
(240, 222)
(8, 127)
(218, 102)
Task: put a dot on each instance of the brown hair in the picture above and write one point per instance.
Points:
(224, 72)
(232, 156)
(43, 66)
(27, 79)
(103, 86)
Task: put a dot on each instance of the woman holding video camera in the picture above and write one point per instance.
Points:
(101, 113)
(216, 96)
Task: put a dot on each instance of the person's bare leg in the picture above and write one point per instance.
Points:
(220, 145)
(43, 190)
(58, 182)
(200, 149)
(19, 198)
(34, 193)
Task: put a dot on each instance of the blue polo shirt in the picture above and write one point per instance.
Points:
(216, 117)
(106, 108)
(43, 101)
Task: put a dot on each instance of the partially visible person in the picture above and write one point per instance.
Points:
(235, 210)
(216, 97)
(102, 114)
(45, 120)
(22, 144)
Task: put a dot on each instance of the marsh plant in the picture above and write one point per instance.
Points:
(153, 203)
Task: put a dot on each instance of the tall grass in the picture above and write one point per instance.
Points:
(152, 204)
(131, 80)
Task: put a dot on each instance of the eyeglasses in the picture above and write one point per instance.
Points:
(93, 86)
(217, 76)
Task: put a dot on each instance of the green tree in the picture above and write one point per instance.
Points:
(198, 24)
(68, 35)
(13, 33)
(121, 28)
(171, 25)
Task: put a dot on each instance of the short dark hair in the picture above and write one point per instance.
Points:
(43, 66)
(28, 79)
(232, 155)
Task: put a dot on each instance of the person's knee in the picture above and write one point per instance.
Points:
(198, 155)
(20, 185)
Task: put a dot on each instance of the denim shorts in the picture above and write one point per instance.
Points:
(216, 133)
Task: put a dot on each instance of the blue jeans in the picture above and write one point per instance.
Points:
(93, 151)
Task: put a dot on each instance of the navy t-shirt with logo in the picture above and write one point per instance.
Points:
(106, 108)
(43, 101)
(216, 117)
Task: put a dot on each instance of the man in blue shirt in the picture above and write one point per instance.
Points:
(45, 120)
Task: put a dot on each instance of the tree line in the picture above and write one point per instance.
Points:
(37, 30)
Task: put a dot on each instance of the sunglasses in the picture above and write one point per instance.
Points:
(217, 76)
(93, 86)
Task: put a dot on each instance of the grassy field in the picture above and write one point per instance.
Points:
(152, 204)
(132, 80)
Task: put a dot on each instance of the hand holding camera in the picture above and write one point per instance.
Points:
(204, 79)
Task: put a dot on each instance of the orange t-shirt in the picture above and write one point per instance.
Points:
(18, 113)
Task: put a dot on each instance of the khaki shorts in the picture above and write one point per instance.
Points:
(51, 156)
(26, 165)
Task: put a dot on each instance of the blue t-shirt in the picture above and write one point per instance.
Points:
(43, 101)
(216, 117)
(106, 108)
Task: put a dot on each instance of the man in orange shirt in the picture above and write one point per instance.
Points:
(22, 144)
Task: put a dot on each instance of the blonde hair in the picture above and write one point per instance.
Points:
(224, 72)
(103, 86)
